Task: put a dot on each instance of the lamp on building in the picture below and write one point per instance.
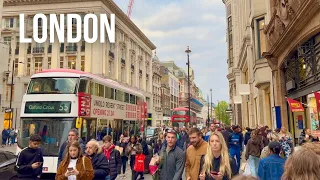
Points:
(188, 51)
(11, 88)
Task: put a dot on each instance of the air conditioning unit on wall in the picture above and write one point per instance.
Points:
(290, 85)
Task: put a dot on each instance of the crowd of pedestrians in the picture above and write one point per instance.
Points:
(8, 137)
(213, 153)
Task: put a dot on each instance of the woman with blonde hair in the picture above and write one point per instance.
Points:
(217, 164)
(303, 164)
(74, 165)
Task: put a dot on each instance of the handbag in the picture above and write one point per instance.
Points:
(247, 171)
(139, 163)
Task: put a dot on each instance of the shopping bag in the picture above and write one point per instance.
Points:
(243, 166)
(154, 160)
(247, 170)
(153, 169)
(139, 163)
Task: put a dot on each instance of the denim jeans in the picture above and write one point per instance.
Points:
(124, 160)
(254, 165)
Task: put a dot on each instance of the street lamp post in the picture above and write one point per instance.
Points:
(211, 104)
(188, 51)
(11, 89)
(208, 122)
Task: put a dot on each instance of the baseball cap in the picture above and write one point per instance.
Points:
(275, 146)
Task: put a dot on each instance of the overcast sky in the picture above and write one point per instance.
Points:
(172, 25)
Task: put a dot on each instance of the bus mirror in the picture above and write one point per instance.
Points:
(78, 122)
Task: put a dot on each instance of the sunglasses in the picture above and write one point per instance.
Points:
(172, 131)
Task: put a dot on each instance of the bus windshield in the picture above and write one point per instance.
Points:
(52, 85)
(54, 131)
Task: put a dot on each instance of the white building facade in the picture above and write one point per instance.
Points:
(128, 60)
(249, 74)
(156, 89)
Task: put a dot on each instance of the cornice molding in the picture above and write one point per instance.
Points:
(305, 13)
(109, 3)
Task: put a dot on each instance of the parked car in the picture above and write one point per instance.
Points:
(152, 135)
(7, 164)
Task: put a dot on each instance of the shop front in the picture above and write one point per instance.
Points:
(302, 78)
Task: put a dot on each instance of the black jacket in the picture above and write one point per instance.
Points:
(226, 135)
(247, 136)
(25, 159)
(114, 164)
(216, 165)
(100, 166)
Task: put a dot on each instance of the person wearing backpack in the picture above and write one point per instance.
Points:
(134, 148)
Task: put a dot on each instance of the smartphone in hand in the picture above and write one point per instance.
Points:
(70, 168)
(214, 173)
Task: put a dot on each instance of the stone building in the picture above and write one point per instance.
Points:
(293, 52)
(182, 76)
(156, 89)
(250, 80)
(165, 96)
(127, 61)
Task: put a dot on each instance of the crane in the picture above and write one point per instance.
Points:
(130, 8)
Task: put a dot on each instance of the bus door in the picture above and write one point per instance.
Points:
(117, 129)
(88, 130)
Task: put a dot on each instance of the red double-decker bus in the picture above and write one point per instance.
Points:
(180, 115)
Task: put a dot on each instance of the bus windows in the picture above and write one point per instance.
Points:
(132, 99)
(88, 130)
(84, 86)
(119, 95)
(51, 85)
(109, 93)
(126, 97)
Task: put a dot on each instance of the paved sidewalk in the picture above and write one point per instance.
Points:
(128, 171)
(12, 148)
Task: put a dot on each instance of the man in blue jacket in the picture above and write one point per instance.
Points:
(271, 167)
(30, 160)
(235, 144)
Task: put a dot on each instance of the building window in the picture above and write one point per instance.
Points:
(72, 62)
(16, 64)
(82, 63)
(8, 23)
(61, 62)
(7, 40)
(28, 67)
(261, 37)
(37, 65)
(49, 62)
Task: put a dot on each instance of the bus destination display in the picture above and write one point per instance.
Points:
(48, 107)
